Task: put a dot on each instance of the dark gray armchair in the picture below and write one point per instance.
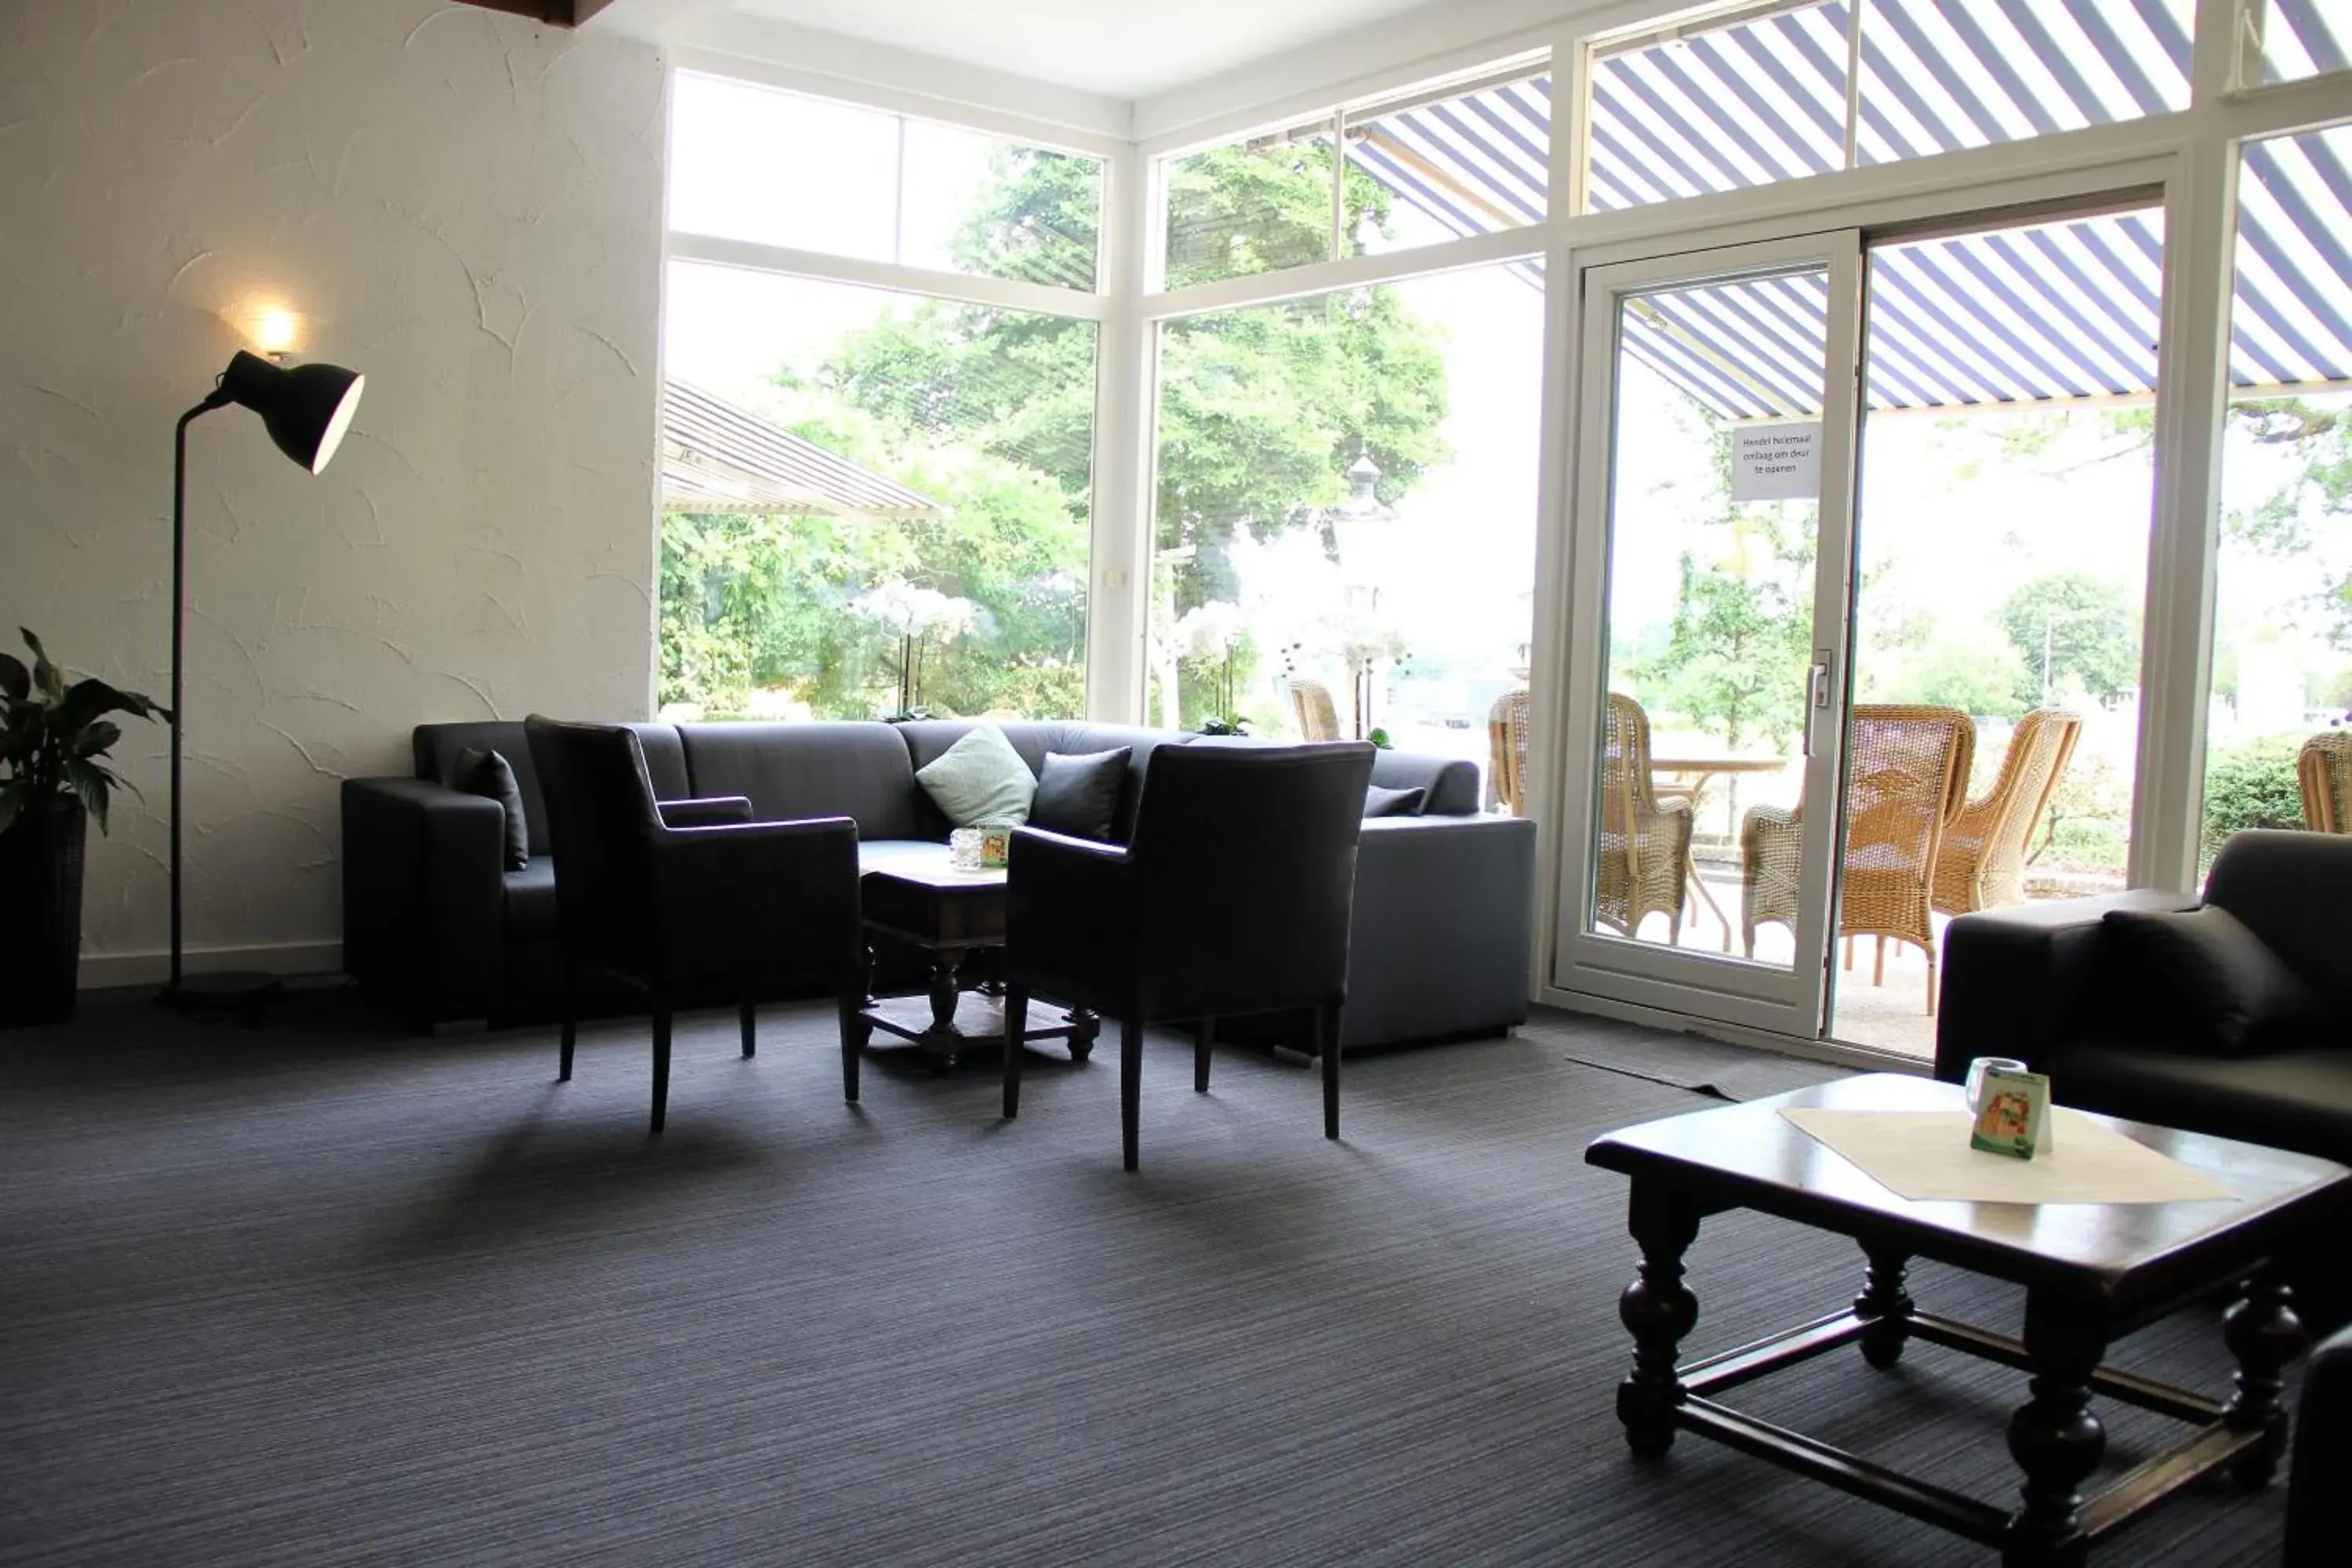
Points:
(2318, 1511)
(721, 905)
(1232, 898)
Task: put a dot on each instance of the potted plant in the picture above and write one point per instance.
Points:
(54, 739)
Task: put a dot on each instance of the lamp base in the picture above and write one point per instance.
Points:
(226, 991)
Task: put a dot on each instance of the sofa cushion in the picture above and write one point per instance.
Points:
(1079, 795)
(2205, 979)
(1378, 801)
(2300, 1100)
(531, 902)
(488, 774)
(926, 739)
(789, 771)
(980, 781)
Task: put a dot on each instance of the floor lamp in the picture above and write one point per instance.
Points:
(306, 408)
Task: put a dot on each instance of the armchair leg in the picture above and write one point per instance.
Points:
(570, 982)
(1016, 1026)
(1878, 970)
(1130, 1083)
(661, 1060)
(750, 1021)
(1327, 1046)
(1204, 1039)
(853, 1035)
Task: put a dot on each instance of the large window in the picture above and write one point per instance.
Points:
(1760, 99)
(776, 168)
(2303, 37)
(2282, 587)
(1422, 168)
(872, 502)
(1345, 512)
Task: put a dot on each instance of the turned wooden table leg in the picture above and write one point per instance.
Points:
(1659, 1311)
(2263, 1333)
(1887, 1306)
(2055, 1438)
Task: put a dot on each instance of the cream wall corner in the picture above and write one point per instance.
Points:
(464, 205)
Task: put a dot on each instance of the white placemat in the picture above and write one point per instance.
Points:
(1925, 1155)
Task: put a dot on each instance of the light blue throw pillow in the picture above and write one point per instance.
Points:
(980, 781)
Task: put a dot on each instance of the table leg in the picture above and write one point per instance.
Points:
(1084, 1028)
(2054, 1438)
(947, 991)
(1659, 1310)
(1887, 1305)
(2263, 1333)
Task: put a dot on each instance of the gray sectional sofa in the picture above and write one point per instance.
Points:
(436, 927)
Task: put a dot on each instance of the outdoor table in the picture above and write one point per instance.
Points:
(1701, 772)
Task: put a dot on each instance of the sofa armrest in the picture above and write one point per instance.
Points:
(708, 811)
(2018, 982)
(1451, 782)
(2318, 1515)
(771, 903)
(1444, 913)
(424, 897)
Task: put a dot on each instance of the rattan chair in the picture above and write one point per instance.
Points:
(2324, 767)
(1507, 750)
(1907, 780)
(1644, 840)
(1982, 863)
(1310, 705)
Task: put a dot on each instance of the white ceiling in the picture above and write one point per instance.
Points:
(1119, 49)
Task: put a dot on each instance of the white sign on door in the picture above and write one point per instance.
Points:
(1776, 462)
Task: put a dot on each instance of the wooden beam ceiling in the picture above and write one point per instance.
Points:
(557, 12)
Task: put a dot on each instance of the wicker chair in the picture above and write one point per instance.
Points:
(1982, 863)
(1644, 840)
(2324, 767)
(1907, 780)
(1507, 750)
(1310, 705)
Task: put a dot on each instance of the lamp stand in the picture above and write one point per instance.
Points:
(225, 991)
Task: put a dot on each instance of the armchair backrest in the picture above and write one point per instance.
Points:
(2323, 768)
(2289, 888)
(1906, 778)
(1506, 746)
(1310, 705)
(1245, 859)
(601, 822)
(1629, 798)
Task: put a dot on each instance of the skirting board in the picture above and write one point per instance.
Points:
(102, 970)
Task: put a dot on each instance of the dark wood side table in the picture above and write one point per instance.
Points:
(913, 896)
(2093, 1273)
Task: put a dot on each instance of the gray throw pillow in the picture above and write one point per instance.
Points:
(489, 775)
(980, 781)
(1378, 801)
(1079, 795)
(2212, 981)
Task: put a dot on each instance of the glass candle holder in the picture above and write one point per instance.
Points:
(964, 849)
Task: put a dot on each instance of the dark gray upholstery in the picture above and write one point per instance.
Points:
(855, 770)
(2318, 1507)
(752, 907)
(1235, 897)
(431, 926)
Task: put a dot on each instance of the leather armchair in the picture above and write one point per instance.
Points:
(671, 909)
(2318, 1511)
(1232, 897)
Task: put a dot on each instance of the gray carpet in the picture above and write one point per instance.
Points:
(319, 1293)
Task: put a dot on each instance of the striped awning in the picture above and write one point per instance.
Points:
(716, 457)
(2050, 313)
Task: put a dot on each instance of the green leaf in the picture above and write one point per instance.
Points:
(46, 676)
(12, 799)
(15, 680)
(91, 698)
(89, 785)
(95, 740)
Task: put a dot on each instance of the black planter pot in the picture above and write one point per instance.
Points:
(40, 914)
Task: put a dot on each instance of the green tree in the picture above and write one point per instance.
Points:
(2072, 625)
(2321, 489)
(1736, 653)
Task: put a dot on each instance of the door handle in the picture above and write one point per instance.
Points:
(1817, 700)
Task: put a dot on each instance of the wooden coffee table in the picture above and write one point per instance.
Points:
(2093, 1273)
(913, 896)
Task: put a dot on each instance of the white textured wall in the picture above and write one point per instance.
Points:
(466, 207)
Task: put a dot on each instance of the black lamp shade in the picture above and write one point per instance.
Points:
(307, 407)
